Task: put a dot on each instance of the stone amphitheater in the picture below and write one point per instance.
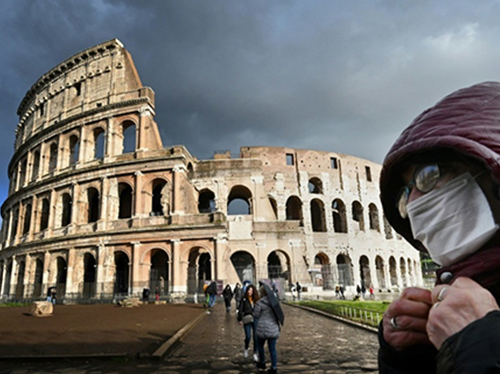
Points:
(100, 209)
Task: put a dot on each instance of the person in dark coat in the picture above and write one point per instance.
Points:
(246, 319)
(268, 329)
(227, 293)
(237, 295)
(211, 291)
(440, 188)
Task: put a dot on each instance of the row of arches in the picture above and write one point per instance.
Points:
(66, 150)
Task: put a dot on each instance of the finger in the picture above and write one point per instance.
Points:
(439, 292)
(404, 322)
(417, 294)
(464, 282)
(408, 307)
(400, 340)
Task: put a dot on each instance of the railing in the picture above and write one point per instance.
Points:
(364, 316)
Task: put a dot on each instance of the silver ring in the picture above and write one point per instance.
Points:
(393, 323)
(441, 294)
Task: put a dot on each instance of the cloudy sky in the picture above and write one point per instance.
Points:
(336, 75)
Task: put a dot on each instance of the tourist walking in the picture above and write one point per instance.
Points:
(237, 292)
(298, 288)
(269, 314)
(246, 319)
(227, 293)
(211, 291)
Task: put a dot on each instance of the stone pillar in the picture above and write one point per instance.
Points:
(71, 291)
(76, 215)
(136, 284)
(46, 273)
(177, 174)
(178, 285)
(145, 116)
(27, 276)
(13, 276)
(103, 213)
(3, 271)
(52, 213)
(138, 209)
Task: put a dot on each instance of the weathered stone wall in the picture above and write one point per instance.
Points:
(97, 218)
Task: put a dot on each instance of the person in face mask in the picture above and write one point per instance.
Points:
(440, 189)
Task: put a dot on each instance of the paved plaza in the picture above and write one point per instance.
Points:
(309, 343)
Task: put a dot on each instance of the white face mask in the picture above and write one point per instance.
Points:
(453, 221)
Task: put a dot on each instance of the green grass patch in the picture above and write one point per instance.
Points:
(367, 312)
(8, 304)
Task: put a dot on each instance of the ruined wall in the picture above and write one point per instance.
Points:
(99, 209)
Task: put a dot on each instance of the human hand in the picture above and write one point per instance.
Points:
(456, 306)
(409, 318)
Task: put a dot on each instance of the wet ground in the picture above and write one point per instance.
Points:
(309, 343)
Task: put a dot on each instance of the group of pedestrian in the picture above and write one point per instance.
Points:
(259, 313)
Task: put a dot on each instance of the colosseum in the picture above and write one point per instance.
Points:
(99, 208)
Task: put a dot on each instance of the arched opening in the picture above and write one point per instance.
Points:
(357, 215)
(315, 185)
(22, 172)
(344, 269)
(294, 210)
(125, 194)
(373, 213)
(339, 216)
(37, 289)
(158, 198)
(158, 273)
(8, 280)
(53, 157)
(27, 219)
(15, 223)
(93, 205)
(404, 274)
(62, 270)
(98, 143)
(318, 216)
(44, 219)
(380, 266)
(322, 274)
(36, 165)
(121, 274)
(206, 201)
(244, 265)
(364, 271)
(89, 276)
(74, 149)
(199, 270)
(239, 201)
(387, 229)
(67, 204)
(129, 136)
(20, 281)
(273, 266)
(392, 271)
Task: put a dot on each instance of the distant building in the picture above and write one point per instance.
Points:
(98, 208)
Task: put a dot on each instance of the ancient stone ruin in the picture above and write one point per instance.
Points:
(99, 208)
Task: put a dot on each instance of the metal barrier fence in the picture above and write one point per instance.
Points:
(367, 317)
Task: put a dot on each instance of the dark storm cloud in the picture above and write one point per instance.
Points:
(329, 75)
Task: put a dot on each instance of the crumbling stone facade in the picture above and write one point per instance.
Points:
(98, 207)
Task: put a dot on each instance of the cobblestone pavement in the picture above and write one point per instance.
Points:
(309, 343)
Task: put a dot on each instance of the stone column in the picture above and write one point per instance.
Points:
(137, 284)
(3, 271)
(138, 198)
(177, 284)
(46, 273)
(70, 284)
(177, 176)
(52, 213)
(76, 215)
(142, 129)
(27, 276)
(103, 209)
